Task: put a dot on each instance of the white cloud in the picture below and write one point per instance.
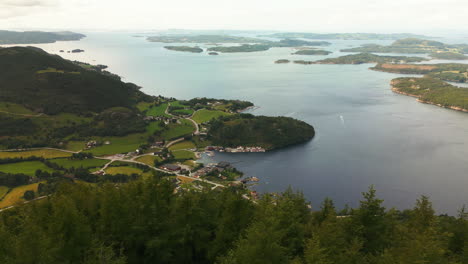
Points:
(301, 15)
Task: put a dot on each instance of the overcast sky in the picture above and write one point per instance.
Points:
(417, 16)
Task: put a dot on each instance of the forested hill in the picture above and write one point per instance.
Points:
(48, 84)
(35, 37)
(147, 222)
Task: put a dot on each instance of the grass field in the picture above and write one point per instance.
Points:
(123, 170)
(178, 104)
(15, 108)
(153, 127)
(86, 163)
(128, 170)
(183, 154)
(76, 145)
(159, 110)
(205, 115)
(3, 191)
(178, 130)
(45, 153)
(119, 144)
(184, 179)
(16, 195)
(149, 159)
(183, 145)
(26, 167)
(182, 112)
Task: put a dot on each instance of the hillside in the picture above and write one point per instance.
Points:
(36, 37)
(48, 84)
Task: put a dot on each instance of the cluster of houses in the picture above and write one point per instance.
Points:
(220, 167)
(94, 143)
(235, 150)
(165, 119)
(173, 168)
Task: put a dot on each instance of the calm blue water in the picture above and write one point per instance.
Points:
(365, 133)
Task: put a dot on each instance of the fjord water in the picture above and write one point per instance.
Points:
(365, 133)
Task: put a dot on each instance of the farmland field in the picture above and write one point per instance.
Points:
(76, 145)
(205, 115)
(178, 130)
(85, 163)
(183, 155)
(3, 191)
(149, 159)
(119, 144)
(26, 167)
(16, 195)
(159, 110)
(183, 145)
(45, 153)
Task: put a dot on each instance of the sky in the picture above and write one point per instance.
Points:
(415, 16)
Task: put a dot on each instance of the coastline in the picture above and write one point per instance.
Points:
(456, 108)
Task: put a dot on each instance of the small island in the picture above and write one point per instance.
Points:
(282, 61)
(247, 44)
(312, 52)
(432, 91)
(213, 53)
(241, 48)
(184, 49)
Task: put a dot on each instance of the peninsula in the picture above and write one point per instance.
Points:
(37, 37)
(433, 91)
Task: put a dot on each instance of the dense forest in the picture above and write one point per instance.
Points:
(146, 222)
(34, 37)
(267, 132)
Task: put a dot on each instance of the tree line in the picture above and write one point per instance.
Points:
(147, 222)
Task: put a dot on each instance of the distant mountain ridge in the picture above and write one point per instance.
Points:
(345, 36)
(37, 37)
